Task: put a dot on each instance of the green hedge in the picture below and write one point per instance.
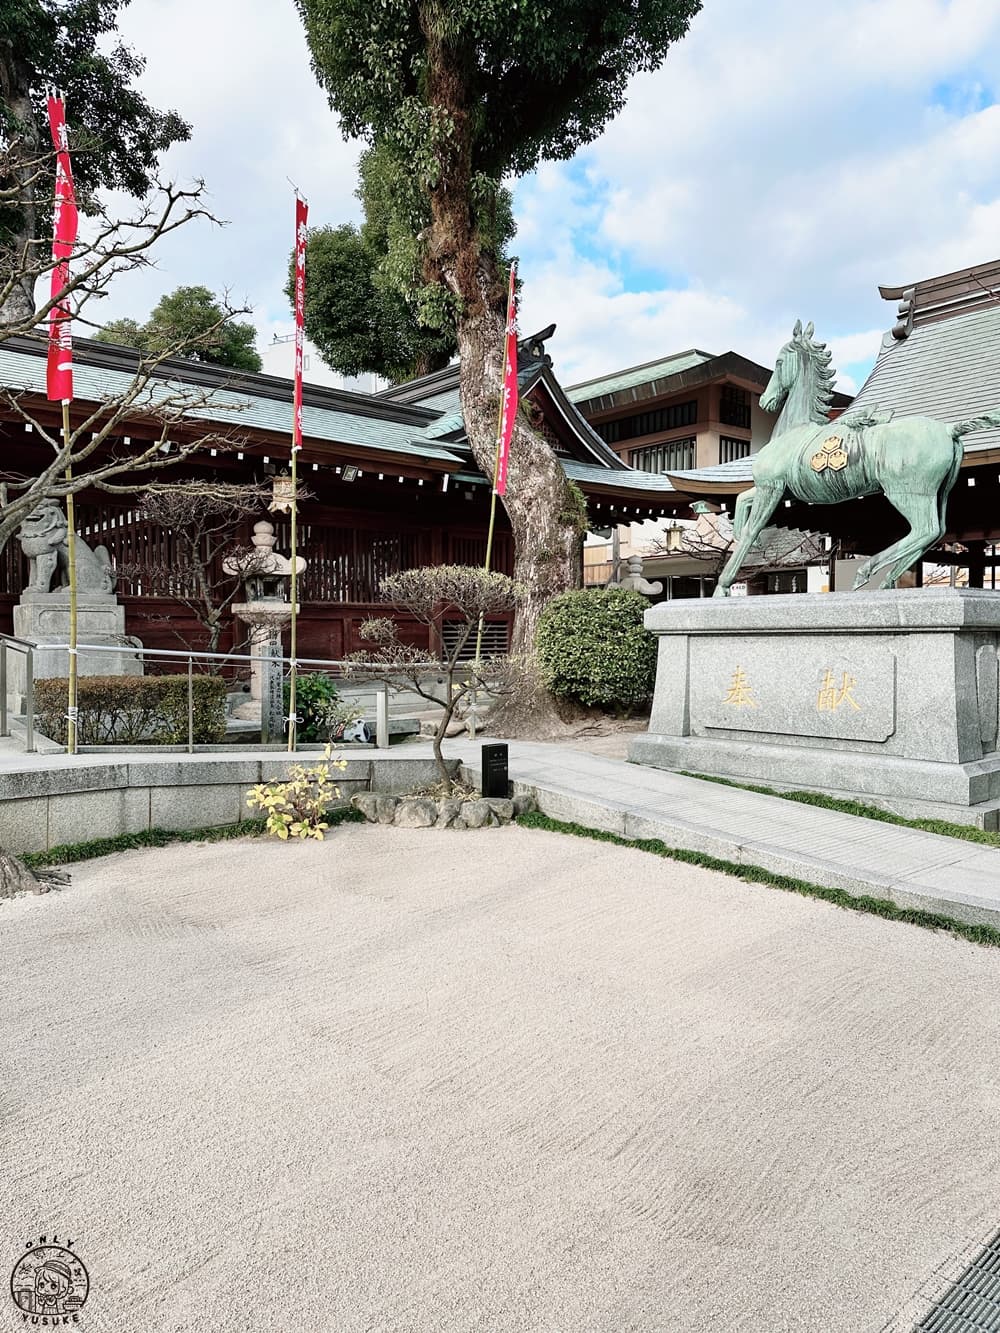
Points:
(592, 647)
(133, 710)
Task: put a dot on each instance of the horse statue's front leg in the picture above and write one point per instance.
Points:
(744, 506)
(761, 500)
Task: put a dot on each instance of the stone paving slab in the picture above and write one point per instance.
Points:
(909, 867)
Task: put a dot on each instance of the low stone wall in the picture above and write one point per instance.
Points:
(77, 800)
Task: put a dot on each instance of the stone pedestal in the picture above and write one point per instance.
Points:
(886, 697)
(266, 620)
(43, 618)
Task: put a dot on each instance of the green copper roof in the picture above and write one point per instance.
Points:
(654, 482)
(739, 470)
(93, 383)
(636, 375)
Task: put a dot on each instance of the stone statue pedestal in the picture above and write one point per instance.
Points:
(266, 621)
(885, 697)
(43, 618)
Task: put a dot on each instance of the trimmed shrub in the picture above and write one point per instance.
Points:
(133, 710)
(593, 648)
(315, 697)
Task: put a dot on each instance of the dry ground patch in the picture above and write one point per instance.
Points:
(501, 1080)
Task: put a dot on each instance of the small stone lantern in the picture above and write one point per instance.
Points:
(267, 610)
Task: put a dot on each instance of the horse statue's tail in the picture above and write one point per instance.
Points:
(984, 422)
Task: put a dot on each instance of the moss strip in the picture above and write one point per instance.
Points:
(158, 837)
(755, 875)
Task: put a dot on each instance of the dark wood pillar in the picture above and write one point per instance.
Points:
(977, 564)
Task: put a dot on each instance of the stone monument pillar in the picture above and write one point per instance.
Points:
(42, 613)
(266, 611)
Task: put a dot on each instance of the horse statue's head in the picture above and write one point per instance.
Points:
(802, 380)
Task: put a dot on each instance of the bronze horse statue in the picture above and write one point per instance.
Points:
(914, 461)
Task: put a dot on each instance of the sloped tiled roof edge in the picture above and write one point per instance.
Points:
(200, 374)
(641, 387)
(948, 369)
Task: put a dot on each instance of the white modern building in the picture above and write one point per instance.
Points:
(278, 358)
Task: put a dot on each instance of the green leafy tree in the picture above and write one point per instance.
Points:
(191, 319)
(459, 95)
(115, 135)
(357, 320)
(362, 308)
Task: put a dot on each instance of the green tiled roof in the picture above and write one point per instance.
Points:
(636, 375)
(739, 470)
(447, 401)
(232, 407)
(446, 425)
(949, 370)
(653, 482)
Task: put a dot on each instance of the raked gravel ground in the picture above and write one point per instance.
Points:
(503, 1080)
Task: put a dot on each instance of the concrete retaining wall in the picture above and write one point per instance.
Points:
(76, 800)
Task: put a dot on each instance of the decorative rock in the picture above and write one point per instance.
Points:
(448, 812)
(476, 813)
(385, 808)
(419, 813)
(367, 803)
(523, 805)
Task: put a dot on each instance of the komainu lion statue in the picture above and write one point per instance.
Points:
(43, 537)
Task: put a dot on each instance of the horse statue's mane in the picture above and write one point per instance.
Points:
(819, 357)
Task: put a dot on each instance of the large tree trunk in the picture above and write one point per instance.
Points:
(540, 503)
(18, 242)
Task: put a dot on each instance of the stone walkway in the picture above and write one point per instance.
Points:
(863, 857)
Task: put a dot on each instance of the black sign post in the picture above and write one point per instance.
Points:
(495, 780)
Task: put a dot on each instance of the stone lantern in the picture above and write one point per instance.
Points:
(266, 576)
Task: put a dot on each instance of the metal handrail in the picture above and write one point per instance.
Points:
(329, 665)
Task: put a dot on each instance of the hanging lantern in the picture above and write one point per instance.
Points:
(282, 494)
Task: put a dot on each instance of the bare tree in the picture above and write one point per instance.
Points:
(202, 515)
(466, 593)
(151, 422)
(166, 410)
(711, 539)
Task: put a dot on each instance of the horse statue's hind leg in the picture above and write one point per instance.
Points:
(923, 513)
(761, 501)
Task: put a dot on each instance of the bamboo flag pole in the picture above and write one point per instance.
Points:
(505, 429)
(59, 367)
(301, 236)
(71, 709)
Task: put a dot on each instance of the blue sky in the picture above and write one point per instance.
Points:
(786, 159)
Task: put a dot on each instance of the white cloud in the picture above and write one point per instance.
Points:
(785, 160)
(239, 72)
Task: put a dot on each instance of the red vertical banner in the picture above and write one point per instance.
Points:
(301, 234)
(508, 406)
(59, 376)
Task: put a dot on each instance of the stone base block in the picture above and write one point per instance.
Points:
(912, 789)
(45, 622)
(885, 697)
